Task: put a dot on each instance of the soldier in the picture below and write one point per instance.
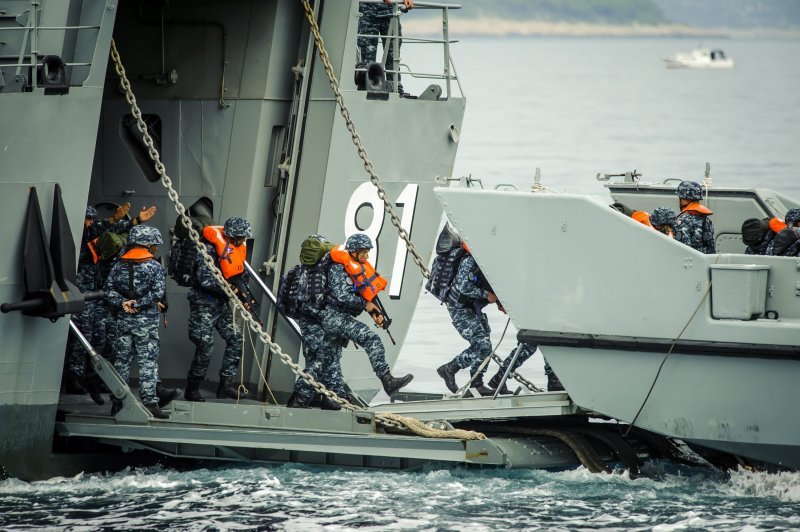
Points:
(784, 244)
(525, 351)
(135, 288)
(91, 321)
(663, 220)
(375, 19)
(693, 226)
(210, 309)
(465, 301)
(351, 288)
(306, 287)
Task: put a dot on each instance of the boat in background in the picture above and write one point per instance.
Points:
(700, 58)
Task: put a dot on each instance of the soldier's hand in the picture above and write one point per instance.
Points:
(370, 307)
(121, 212)
(161, 306)
(146, 213)
(127, 306)
(378, 319)
(491, 297)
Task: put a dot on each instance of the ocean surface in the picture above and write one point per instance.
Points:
(573, 107)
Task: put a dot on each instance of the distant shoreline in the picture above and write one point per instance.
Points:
(498, 27)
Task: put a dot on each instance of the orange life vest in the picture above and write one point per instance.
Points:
(92, 245)
(642, 217)
(137, 254)
(231, 258)
(366, 280)
(775, 224)
(696, 208)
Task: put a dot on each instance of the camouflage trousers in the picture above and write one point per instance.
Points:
(86, 321)
(203, 319)
(524, 352)
(340, 325)
(474, 330)
(138, 335)
(375, 20)
(323, 360)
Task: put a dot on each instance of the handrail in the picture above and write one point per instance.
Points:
(265, 289)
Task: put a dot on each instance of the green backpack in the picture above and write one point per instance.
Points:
(110, 244)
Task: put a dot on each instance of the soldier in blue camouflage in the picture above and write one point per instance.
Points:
(135, 288)
(343, 304)
(465, 302)
(693, 226)
(322, 356)
(526, 351)
(785, 242)
(92, 320)
(663, 220)
(210, 309)
(375, 19)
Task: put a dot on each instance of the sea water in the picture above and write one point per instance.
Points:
(573, 107)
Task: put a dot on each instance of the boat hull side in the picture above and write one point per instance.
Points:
(26, 440)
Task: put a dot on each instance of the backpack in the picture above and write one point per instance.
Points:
(109, 244)
(289, 298)
(182, 258)
(443, 271)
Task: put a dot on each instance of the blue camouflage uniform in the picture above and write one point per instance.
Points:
(210, 309)
(375, 20)
(338, 319)
(466, 312)
(693, 228)
(92, 320)
(791, 218)
(323, 360)
(137, 333)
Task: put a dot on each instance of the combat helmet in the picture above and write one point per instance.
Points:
(792, 217)
(144, 235)
(357, 242)
(91, 212)
(663, 216)
(237, 227)
(689, 190)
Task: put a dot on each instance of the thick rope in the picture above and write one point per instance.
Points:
(209, 261)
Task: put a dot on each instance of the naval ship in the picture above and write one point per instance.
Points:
(249, 108)
(642, 328)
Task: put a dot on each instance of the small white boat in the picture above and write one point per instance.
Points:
(700, 58)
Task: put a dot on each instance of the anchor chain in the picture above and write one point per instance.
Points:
(390, 420)
(517, 377)
(362, 151)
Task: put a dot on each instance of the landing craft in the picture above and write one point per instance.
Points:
(238, 106)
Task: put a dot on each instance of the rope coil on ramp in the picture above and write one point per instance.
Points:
(389, 420)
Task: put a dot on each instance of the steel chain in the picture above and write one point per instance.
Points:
(517, 377)
(394, 421)
(362, 151)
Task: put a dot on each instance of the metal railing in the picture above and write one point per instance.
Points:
(391, 41)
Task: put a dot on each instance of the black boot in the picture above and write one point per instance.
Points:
(92, 384)
(330, 404)
(483, 390)
(554, 384)
(391, 384)
(494, 382)
(116, 406)
(192, 392)
(448, 373)
(74, 386)
(166, 395)
(297, 401)
(155, 411)
(228, 390)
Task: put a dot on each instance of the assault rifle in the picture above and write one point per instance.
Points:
(387, 321)
(242, 290)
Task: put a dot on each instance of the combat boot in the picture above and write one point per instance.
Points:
(392, 384)
(92, 384)
(192, 392)
(74, 386)
(554, 384)
(166, 395)
(448, 373)
(227, 390)
(481, 388)
(116, 406)
(329, 404)
(155, 411)
(494, 382)
(297, 401)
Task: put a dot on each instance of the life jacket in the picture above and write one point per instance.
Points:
(696, 208)
(454, 297)
(443, 271)
(182, 259)
(777, 225)
(137, 254)
(231, 258)
(302, 290)
(92, 247)
(366, 281)
(132, 256)
(642, 217)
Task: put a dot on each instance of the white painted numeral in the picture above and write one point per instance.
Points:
(408, 201)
